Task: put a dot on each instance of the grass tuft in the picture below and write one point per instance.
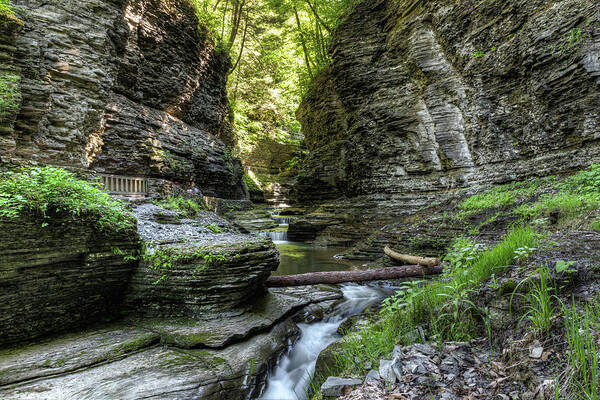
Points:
(443, 305)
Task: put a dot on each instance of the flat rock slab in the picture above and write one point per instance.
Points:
(231, 327)
(334, 387)
(71, 352)
(168, 373)
(127, 361)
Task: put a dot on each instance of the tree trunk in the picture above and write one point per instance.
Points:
(315, 278)
(426, 261)
(306, 58)
(318, 17)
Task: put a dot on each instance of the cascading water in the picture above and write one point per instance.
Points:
(292, 374)
(278, 235)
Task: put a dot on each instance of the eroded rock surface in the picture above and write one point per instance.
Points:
(423, 97)
(131, 360)
(61, 276)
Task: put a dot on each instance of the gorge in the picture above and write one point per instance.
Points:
(161, 159)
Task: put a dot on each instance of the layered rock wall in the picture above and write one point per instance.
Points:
(131, 87)
(60, 277)
(425, 96)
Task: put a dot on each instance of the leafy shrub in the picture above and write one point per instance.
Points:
(45, 192)
(214, 228)
(6, 8)
(178, 203)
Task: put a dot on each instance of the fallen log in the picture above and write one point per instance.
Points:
(331, 277)
(407, 258)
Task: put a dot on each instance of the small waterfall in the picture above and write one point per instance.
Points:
(282, 220)
(276, 236)
(290, 379)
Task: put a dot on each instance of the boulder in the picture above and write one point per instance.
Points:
(334, 387)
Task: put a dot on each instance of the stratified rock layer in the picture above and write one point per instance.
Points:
(427, 96)
(123, 87)
(193, 269)
(59, 277)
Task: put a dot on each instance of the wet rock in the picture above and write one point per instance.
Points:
(234, 373)
(536, 352)
(334, 387)
(219, 329)
(252, 221)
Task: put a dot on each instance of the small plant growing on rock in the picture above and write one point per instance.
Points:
(539, 300)
(214, 228)
(178, 203)
(165, 259)
(523, 253)
(562, 266)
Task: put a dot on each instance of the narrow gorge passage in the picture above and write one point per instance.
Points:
(179, 177)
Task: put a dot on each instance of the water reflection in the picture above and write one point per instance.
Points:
(299, 258)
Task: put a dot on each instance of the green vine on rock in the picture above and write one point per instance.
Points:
(165, 259)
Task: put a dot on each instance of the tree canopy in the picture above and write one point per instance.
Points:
(276, 47)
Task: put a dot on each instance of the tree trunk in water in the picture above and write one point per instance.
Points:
(426, 261)
(315, 278)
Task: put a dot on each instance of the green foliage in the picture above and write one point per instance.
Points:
(539, 300)
(277, 47)
(577, 195)
(562, 266)
(294, 163)
(583, 350)
(595, 225)
(10, 94)
(214, 228)
(179, 203)
(46, 192)
(501, 196)
(463, 253)
(443, 305)
(7, 10)
(572, 41)
(478, 54)
(164, 259)
(250, 184)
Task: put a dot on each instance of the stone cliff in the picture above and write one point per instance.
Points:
(424, 97)
(120, 87)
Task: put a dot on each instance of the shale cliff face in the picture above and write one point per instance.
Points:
(424, 96)
(122, 87)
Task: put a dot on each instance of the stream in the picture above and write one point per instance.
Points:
(291, 377)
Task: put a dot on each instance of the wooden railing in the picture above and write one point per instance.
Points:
(125, 185)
